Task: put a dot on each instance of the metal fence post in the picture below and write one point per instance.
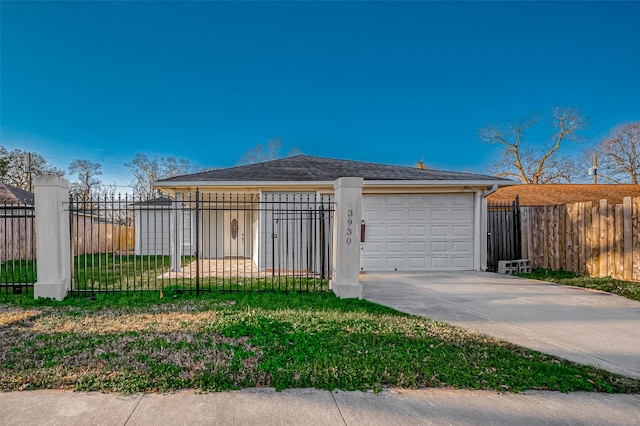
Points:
(197, 241)
(517, 228)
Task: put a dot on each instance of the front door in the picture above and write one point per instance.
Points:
(234, 233)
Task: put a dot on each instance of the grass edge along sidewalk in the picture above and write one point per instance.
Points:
(628, 289)
(224, 341)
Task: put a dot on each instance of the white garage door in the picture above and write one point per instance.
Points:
(417, 232)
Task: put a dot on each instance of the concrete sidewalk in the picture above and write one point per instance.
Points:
(586, 326)
(315, 407)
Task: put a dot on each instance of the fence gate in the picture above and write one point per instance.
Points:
(503, 233)
(17, 248)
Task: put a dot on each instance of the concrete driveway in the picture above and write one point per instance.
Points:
(586, 326)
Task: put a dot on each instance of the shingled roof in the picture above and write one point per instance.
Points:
(305, 168)
(12, 195)
(553, 194)
(161, 201)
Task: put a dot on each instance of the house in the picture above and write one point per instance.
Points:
(413, 219)
(555, 194)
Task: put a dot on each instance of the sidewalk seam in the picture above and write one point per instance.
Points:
(545, 410)
(338, 407)
(134, 409)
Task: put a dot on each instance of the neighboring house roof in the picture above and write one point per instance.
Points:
(154, 202)
(12, 195)
(305, 168)
(552, 194)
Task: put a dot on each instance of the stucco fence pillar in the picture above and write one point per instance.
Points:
(345, 281)
(53, 241)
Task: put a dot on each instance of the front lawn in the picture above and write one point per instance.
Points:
(236, 340)
(628, 289)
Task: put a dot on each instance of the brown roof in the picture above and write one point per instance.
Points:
(12, 195)
(551, 194)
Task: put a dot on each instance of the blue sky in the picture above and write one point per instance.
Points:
(389, 82)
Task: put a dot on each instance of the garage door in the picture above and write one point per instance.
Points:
(417, 232)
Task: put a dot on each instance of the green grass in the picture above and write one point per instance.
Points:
(628, 289)
(121, 272)
(108, 272)
(18, 271)
(222, 341)
(100, 269)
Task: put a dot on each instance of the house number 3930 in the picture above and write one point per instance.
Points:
(349, 224)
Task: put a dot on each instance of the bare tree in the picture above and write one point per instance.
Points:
(619, 154)
(88, 183)
(18, 167)
(114, 207)
(538, 162)
(272, 151)
(5, 162)
(147, 170)
(260, 153)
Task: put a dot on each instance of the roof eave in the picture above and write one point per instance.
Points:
(250, 186)
(173, 187)
(442, 182)
(193, 184)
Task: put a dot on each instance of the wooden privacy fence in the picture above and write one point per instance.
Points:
(17, 233)
(90, 237)
(597, 239)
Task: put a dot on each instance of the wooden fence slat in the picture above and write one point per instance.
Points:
(635, 232)
(524, 235)
(604, 241)
(550, 248)
(568, 239)
(595, 237)
(575, 234)
(539, 235)
(546, 237)
(562, 237)
(588, 234)
(533, 221)
(627, 262)
(582, 258)
(618, 236)
(611, 240)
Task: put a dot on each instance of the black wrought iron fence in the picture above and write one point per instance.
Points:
(202, 242)
(17, 248)
(503, 233)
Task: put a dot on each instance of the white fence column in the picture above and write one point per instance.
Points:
(53, 240)
(346, 238)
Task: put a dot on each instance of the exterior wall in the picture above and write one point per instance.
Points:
(281, 233)
(154, 232)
